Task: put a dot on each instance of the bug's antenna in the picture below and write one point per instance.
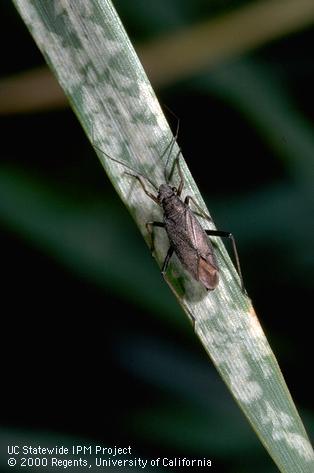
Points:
(172, 142)
(122, 163)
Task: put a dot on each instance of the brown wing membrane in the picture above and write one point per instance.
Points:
(207, 274)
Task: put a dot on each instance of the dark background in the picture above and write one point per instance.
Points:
(94, 347)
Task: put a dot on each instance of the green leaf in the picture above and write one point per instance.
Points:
(85, 44)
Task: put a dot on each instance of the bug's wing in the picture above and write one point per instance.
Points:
(193, 248)
(207, 274)
(207, 271)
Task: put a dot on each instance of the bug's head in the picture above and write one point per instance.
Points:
(165, 191)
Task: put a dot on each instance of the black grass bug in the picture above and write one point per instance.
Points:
(187, 238)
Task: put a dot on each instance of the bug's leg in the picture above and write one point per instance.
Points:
(193, 320)
(200, 210)
(176, 162)
(170, 145)
(173, 140)
(149, 228)
(166, 262)
(149, 194)
(229, 235)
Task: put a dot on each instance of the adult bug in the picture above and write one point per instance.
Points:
(187, 238)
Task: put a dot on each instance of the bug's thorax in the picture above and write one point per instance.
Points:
(165, 192)
(169, 200)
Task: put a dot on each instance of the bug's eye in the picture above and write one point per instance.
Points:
(175, 190)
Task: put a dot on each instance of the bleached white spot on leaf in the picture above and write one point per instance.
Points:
(301, 444)
(240, 373)
(85, 8)
(217, 338)
(109, 142)
(247, 392)
(279, 420)
(231, 357)
(282, 429)
(91, 106)
(148, 97)
(65, 59)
